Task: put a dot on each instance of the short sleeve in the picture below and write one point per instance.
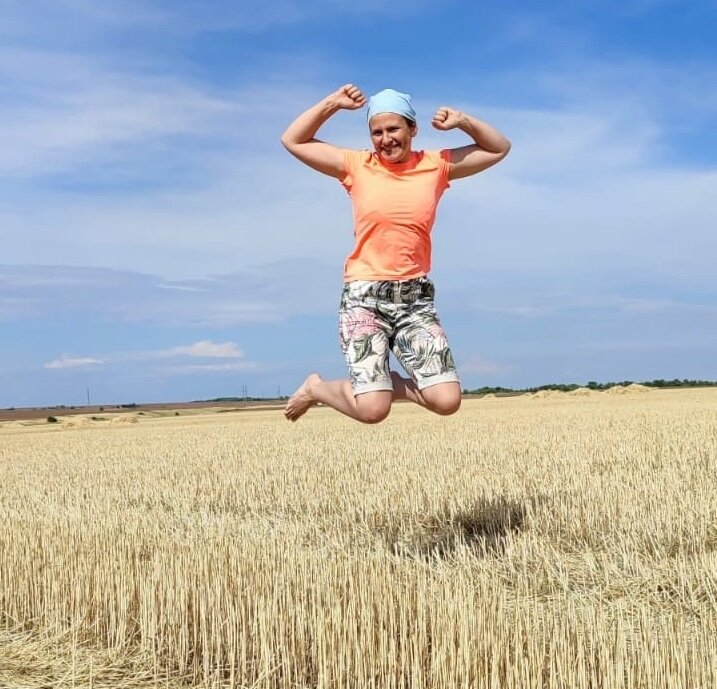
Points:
(445, 159)
(351, 160)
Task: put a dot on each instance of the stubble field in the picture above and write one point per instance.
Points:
(566, 541)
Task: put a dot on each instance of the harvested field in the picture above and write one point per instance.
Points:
(40, 414)
(551, 541)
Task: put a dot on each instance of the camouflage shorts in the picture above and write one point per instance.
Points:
(398, 316)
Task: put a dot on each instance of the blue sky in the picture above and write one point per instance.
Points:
(158, 244)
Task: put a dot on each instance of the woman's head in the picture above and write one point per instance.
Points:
(392, 124)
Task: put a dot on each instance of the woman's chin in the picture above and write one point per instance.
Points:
(397, 157)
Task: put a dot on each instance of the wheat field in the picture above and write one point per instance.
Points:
(561, 541)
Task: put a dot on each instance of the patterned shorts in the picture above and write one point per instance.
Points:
(398, 316)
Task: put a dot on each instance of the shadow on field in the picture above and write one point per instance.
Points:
(481, 530)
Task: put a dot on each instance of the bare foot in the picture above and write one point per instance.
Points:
(300, 402)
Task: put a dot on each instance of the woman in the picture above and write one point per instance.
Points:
(387, 300)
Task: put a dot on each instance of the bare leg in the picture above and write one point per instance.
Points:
(443, 398)
(369, 407)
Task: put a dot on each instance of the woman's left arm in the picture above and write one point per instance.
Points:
(490, 145)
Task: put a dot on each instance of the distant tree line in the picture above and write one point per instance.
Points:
(594, 385)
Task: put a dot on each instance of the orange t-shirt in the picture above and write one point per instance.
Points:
(394, 208)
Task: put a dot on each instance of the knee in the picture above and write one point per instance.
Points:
(446, 405)
(374, 413)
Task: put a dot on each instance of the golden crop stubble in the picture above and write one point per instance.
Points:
(556, 542)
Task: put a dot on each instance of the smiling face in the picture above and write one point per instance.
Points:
(392, 136)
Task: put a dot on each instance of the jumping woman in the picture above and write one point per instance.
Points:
(387, 303)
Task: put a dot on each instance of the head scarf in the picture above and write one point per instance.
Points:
(389, 100)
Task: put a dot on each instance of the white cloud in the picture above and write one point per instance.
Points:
(74, 362)
(205, 348)
(181, 288)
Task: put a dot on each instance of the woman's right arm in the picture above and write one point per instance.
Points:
(299, 139)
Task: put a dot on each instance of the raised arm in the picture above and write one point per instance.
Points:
(299, 137)
(489, 147)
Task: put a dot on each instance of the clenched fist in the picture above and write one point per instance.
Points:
(349, 97)
(447, 118)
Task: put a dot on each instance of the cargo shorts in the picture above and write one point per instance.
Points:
(376, 318)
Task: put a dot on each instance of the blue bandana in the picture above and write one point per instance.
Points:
(389, 100)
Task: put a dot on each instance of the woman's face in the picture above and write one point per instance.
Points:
(391, 135)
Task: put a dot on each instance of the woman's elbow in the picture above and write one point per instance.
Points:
(504, 149)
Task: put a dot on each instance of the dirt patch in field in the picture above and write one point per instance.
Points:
(30, 413)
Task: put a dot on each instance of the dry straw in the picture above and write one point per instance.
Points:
(517, 544)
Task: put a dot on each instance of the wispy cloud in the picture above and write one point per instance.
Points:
(21, 18)
(67, 112)
(74, 362)
(515, 301)
(206, 349)
(258, 16)
(163, 20)
(203, 349)
(264, 294)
